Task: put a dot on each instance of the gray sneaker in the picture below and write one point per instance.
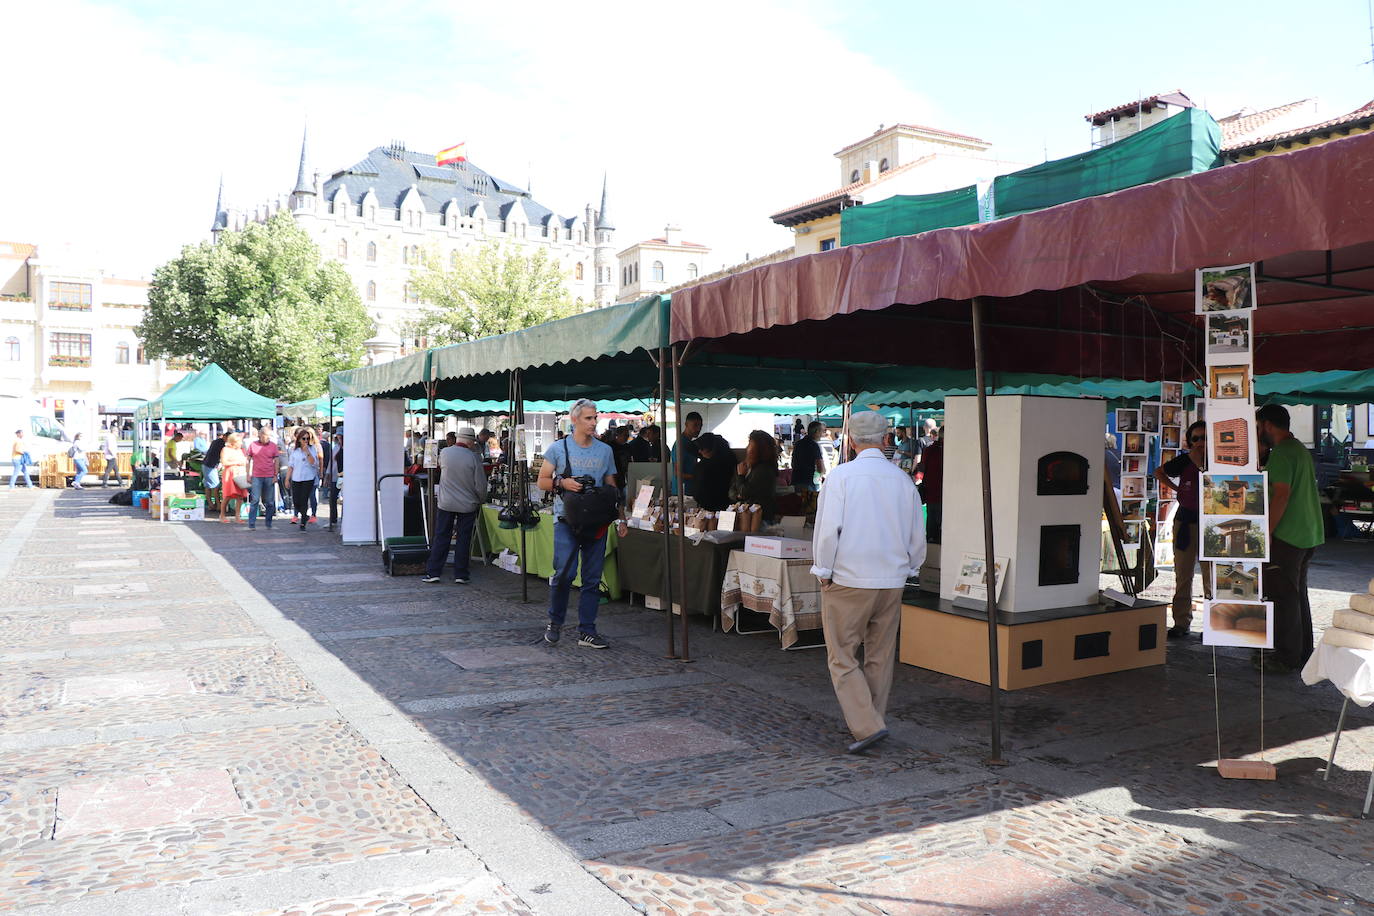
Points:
(592, 641)
(552, 634)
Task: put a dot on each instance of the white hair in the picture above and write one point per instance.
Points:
(581, 404)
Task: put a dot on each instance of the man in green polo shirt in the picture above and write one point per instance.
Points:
(1295, 531)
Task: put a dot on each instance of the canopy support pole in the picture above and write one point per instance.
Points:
(678, 357)
(989, 556)
(846, 408)
(518, 410)
(430, 473)
(662, 363)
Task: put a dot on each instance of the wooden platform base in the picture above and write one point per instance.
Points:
(1246, 769)
(1060, 645)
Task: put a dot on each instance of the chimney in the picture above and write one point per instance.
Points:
(870, 171)
(671, 233)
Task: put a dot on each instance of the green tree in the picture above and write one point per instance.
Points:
(262, 305)
(493, 290)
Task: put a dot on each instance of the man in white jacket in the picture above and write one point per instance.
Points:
(869, 540)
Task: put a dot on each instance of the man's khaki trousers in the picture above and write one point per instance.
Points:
(867, 617)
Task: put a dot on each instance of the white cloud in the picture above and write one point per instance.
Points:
(712, 115)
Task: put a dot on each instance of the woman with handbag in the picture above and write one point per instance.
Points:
(233, 469)
(303, 472)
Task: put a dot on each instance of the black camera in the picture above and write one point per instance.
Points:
(588, 482)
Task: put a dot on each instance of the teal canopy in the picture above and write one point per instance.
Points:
(908, 214)
(209, 394)
(1186, 143)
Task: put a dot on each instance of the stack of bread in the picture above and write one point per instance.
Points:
(1353, 627)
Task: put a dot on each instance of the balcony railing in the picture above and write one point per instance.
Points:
(70, 362)
(69, 306)
(121, 305)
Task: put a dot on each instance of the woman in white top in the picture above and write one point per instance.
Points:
(303, 471)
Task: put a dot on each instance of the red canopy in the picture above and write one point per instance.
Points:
(1102, 286)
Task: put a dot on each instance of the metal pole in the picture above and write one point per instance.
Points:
(430, 473)
(521, 480)
(663, 474)
(989, 556)
(681, 503)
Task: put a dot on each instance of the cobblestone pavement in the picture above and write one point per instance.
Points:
(198, 718)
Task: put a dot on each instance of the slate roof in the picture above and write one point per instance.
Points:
(391, 171)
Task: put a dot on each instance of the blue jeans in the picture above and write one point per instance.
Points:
(21, 469)
(445, 523)
(80, 472)
(262, 491)
(565, 569)
(212, 478)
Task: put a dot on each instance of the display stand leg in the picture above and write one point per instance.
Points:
(1240, 768)
(662, 363)
(995, 757)
(1335, 740)
(678, 356)
(1368, 795)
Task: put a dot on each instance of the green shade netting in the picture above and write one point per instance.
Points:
(209, 394)
(908, 214)
(1188, 142)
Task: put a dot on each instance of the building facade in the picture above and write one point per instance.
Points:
(901, 159)
(382, 216)
(68, 340)
(659, 264)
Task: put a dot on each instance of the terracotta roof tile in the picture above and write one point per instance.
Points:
(1359, 114)
(931, 130)
(661, 241)
(19, 250)
(854, 186)
(1243, 123)
(1169, 98)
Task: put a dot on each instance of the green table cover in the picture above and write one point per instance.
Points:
(539, 548)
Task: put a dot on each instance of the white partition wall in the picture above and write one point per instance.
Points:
(1047, 456)
(374, 432)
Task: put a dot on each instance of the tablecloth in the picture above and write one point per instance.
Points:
(539, 547)
(1350, 670)
(640, 560)
(785, 590)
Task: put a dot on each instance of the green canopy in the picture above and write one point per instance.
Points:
(1188, 142)
(209, 394)
(908, 214)
(779, 407)
(404, 377)
(315, 408)
(499, 408)
(1336, 386)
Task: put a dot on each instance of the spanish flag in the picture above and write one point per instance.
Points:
(458, 153)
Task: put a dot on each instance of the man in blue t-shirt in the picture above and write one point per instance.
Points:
(578, 455)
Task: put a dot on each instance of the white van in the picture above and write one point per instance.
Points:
(43, 433)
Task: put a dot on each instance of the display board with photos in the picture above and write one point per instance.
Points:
(1233, 499)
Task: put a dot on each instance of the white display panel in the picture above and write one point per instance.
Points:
(374, 432)
(1023, 429)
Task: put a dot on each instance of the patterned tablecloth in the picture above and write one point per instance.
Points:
(785, 590)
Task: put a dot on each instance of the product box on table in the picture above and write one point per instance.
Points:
(782, 548)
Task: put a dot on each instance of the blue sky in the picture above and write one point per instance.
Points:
(711, 115)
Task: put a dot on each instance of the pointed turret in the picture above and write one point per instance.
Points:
(602, 214)
(303, 186)
(221, 221)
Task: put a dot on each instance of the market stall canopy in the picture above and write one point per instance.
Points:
(209, 394)
(501, 408)
(313, 409)
(1101, 287)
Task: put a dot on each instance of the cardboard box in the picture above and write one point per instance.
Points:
(186, 515)
(186, 502)
(782, 548)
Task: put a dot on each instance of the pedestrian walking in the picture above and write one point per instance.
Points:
(303, 473)
(109, 450)
(234, 480)
(264, 460)
(580, 461)
(333, 474)
(462, 490)
(868, 541)
(20, 460)
(1296, 530)
(77, 453)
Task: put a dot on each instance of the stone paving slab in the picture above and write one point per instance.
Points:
(444, 898)
(889, 858)
(309, 794)
(416, 666)
(106, 565)
(103, 623)
(134, 587)
(149, 687)
(535, 752)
